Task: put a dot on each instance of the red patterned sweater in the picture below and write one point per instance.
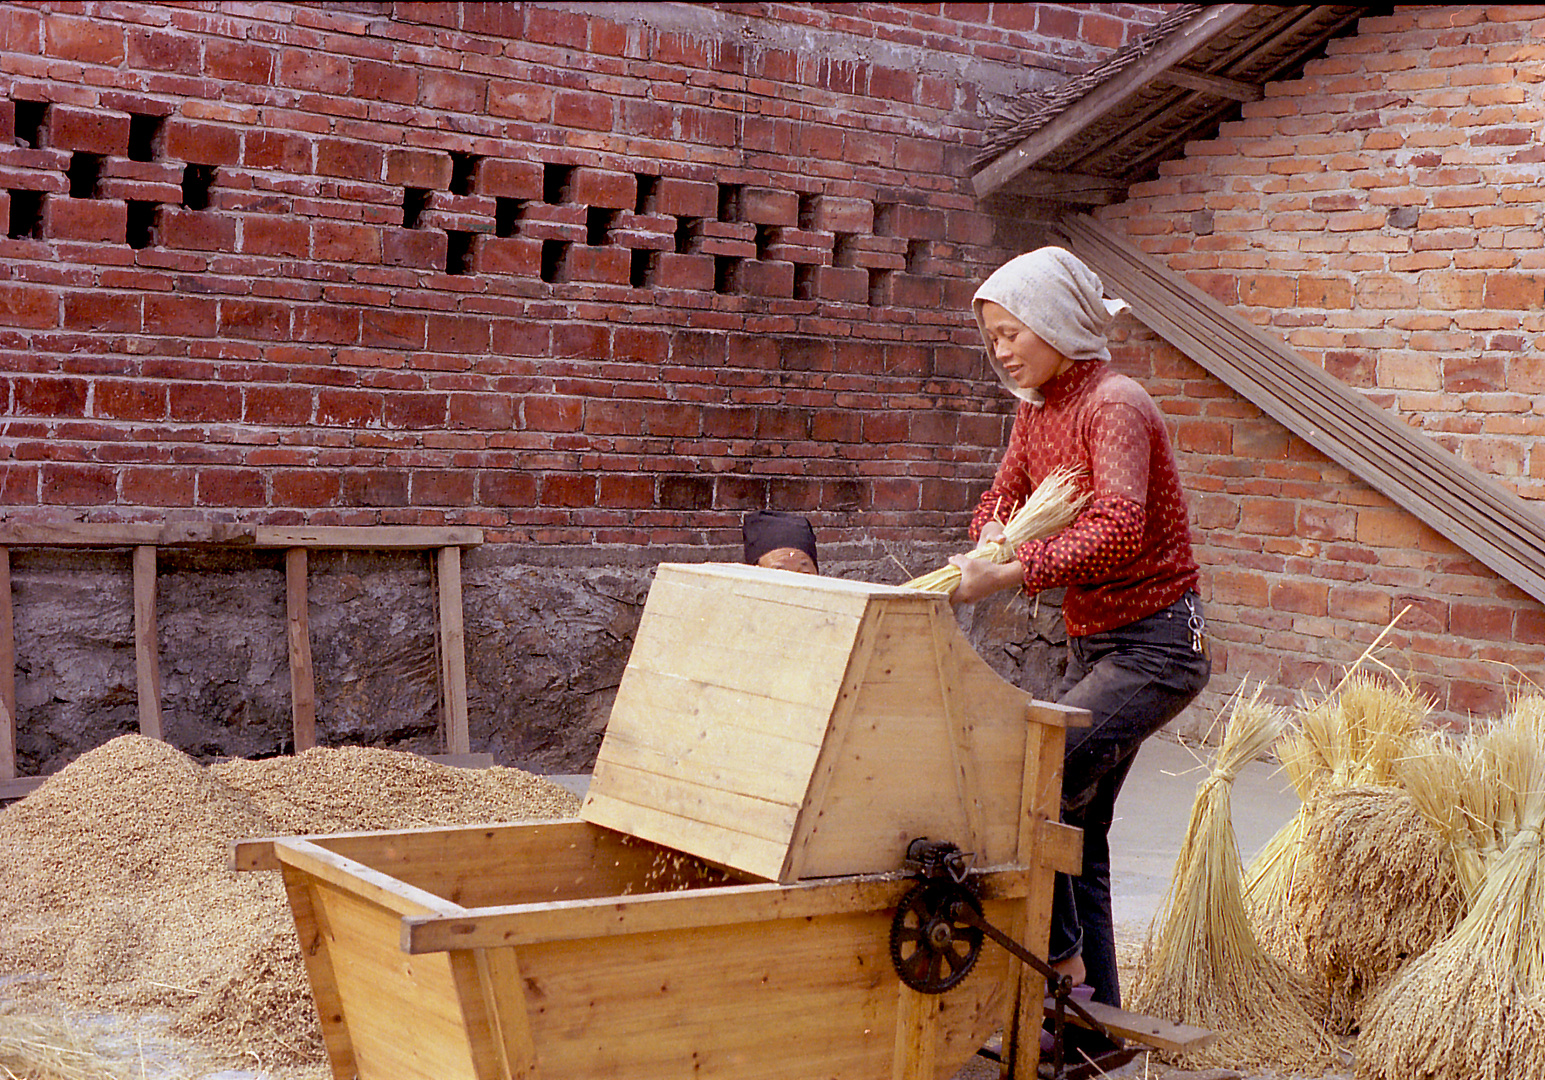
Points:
(1128, 553)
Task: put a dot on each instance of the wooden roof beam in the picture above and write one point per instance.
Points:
(1074, 188)
(1212, 85)
(1212, 23)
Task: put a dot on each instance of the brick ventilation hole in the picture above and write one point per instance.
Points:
(463, 171)
(26, 216)
(844, 249)
(29, 122)
(555, 182)
(648, 183)
(689, 232)
(144, 136)
(415, 200)
(879, 287)
(804, 281)
(917, 251)
(458, 252)
(764, 240)
(507, 214)
(806, 210)
(84, 172)
(641, 270)
(140, 230)
(598, 225)
(884, 219)
(555, 255)
(729, 202)
(726, 274)
(197, 182)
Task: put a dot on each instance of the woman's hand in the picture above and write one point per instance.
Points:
(982, 577)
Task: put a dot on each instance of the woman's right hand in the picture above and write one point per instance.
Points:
(983, 577)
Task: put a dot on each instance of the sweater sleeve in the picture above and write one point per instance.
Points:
(1109, 533)
(1102, 539)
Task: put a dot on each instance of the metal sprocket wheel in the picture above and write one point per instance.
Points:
(931, 950)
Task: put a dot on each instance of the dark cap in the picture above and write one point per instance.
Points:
(769, 530)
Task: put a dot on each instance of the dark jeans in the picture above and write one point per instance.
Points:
(1133, 680)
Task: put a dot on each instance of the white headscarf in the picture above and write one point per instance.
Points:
(1053, 293)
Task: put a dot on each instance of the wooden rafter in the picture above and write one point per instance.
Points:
(1476, 513)
(1210, 24)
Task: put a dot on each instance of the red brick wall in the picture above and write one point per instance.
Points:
(1383, 214)
(572, 278)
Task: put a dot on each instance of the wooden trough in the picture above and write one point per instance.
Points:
(724, 906)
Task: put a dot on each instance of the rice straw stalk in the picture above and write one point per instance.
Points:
(1055, 502)
(1203, 964)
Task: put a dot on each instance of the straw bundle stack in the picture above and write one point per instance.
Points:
(1376, 886)
(1204, 965)
(1055, 502)
(1355, 736)
(1473, 1006)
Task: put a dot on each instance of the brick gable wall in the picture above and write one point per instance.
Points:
(1384, 215)
(572, 278)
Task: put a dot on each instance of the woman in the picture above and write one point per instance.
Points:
(1136, 655)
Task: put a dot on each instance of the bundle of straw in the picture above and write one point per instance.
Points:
(1055, 502)
(1204, 966)
(1473, 1006)
(1376, 885)
(1356, 735)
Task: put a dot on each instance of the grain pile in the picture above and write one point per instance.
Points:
(113, 878)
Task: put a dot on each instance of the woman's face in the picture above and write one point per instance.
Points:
(1029, 361)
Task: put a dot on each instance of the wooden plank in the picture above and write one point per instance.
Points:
(1040, 805)
(7, 672)
(1214, 85)
(20, 787)
(453, 651)
(968, 786)
(303, 702)
(315, 952)
(1148, 1030)
(917, 1043)
(712, 808)
(617, 916)
(147, 645)
(405, 1014)
(367, 537)
(504, 1000)
(123, 534)
(1212, 23)
(1069, 187)
(361, 880)
(522, 862)
(748, 854)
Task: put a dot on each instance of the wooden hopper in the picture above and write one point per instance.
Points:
(791, 726)
(805, 729)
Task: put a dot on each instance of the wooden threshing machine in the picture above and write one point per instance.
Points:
(809, 792)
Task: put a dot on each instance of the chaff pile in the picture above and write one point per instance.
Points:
(1203, 966)
(115, 894)
(1055, 502)
(1473, 1006)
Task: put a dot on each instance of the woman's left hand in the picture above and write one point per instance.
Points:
(981, 578)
